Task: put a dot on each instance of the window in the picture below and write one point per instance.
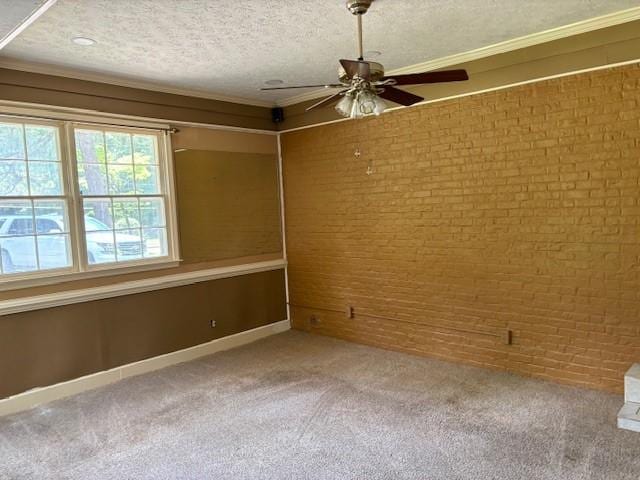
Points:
(34, 232)
(102, 203)
(123, 205)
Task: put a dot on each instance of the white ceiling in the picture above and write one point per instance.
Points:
(231, 47)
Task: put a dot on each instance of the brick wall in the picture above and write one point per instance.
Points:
(517, 209)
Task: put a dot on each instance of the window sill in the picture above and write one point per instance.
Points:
(39, 302)
(59, 276)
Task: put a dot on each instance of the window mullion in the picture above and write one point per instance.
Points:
(30, 197)
(75, 207)
(167, 180)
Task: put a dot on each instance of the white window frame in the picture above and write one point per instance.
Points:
(81, 269)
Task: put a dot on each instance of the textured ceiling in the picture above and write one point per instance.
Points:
(14, 12)
(230, 48)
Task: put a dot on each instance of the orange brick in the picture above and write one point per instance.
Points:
(515, 209)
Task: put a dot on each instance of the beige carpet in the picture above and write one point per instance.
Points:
(297, 406)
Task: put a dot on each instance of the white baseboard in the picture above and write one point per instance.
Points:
(37, 396)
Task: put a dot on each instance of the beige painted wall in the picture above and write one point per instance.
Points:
(197, 138)
(192, 234)
(228, 206)
(43, 347)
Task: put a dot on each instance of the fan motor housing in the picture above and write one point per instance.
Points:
(376, 69)
(358, 7)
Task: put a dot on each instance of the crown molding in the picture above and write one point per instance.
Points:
(474, 92)
(584, 26)
(32, 17)
(44, 69)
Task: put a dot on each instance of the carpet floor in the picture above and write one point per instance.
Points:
(301, 406)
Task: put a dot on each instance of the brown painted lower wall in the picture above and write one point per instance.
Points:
(44, 347)
(517, 209)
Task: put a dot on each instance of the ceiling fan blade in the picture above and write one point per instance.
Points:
(330, 85)
(429, 77)
(400, 96)
(325, 101)
(356, 67)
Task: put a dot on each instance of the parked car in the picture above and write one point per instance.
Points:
(100, 248)
(18, 250)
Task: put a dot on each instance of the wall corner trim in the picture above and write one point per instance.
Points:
(37, 396)
(50, 300)
(25, 22)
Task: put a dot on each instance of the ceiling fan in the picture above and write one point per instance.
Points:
(364, 83)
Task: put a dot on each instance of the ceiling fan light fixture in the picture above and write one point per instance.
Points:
(380, 107)
(361, 102)
(355, 110)
(363, 83)
(345, 105)
(366, 100)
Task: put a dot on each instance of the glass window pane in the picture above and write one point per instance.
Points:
(42, 143)
(92, 178)
(144, 149)
(126, 213)
(155, 242)
(47, 226)
(120, 179)
(100, 247)
(97, 214)
(147, 179)
(51, 216)
(121, 166)
(152, 212)
(17, 217)
(54, 251)
(45, 178)
(118, 147)
(13, 178)
(90, 146)
(11, 141)
(21, 226)
(129, 244)
(18, 254)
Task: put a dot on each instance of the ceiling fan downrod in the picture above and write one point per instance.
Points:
(359, 8)
(363, 84)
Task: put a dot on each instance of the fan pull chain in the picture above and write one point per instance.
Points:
(360, 48)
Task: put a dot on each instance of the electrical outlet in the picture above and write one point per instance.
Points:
(314, 321)
(213, 324)
(350, 312)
